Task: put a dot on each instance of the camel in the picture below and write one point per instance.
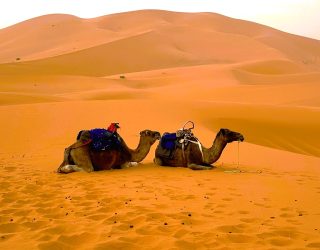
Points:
(79, 157)
(194, 155)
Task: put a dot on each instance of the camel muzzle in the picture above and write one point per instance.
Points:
(157, 136)
(241, 138)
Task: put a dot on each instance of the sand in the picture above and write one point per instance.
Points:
(61, 74)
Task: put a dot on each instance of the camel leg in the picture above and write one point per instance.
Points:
(81, 159)
(198, 167)
(76, 160)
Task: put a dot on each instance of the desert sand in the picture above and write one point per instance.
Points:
(156, 70)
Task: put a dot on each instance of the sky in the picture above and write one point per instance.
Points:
(300, 17)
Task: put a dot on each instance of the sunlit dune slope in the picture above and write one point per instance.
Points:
(145, 40)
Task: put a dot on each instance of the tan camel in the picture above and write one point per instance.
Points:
(195, 156)
(80, 158)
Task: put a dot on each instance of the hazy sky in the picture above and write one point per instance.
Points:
(294, 16)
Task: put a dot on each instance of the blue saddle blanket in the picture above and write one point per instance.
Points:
(102, 139)
(168, 141)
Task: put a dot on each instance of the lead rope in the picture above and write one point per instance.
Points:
(238, 153)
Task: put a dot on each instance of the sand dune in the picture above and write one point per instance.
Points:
(155, 70)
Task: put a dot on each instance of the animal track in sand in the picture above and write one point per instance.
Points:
(287, 215)
(280, 242)
(243, 212)
(239, 238)
(249, 220)
(280, 237)
(315, 245)
(227, 199)
(52, 245)
(236, 194)
(239, 228)
(10, 228)
(221, 205)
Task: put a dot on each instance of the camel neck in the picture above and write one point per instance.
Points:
(212, 154)
(138, 154)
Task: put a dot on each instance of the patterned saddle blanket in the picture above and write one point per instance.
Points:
(168, 141)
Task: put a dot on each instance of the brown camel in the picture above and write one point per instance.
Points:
(195, 156)
(80, 158)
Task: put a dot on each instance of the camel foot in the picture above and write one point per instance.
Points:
(69, 169)
(199, 167)
(129, 164)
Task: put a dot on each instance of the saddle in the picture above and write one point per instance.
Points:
(101, 139)
(171, 141)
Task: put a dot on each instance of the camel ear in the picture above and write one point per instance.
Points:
(147, 132)
(223, 131)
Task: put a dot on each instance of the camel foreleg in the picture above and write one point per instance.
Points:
(199, 167)
(69, 169)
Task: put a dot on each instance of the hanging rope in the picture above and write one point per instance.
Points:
(238, 153)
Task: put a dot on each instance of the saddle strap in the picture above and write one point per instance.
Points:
(183, 154)
(195, 142)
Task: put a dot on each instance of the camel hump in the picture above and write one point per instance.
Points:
(83, 135)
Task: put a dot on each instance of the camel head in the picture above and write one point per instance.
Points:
(230, 136)
(150, 136)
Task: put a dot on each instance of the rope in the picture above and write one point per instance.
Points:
(238, 152)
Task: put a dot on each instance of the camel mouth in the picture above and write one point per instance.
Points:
(157, 136)
(241, 138)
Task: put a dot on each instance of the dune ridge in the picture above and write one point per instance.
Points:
(153, 69)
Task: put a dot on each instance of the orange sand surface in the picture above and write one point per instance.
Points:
(155, 70)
